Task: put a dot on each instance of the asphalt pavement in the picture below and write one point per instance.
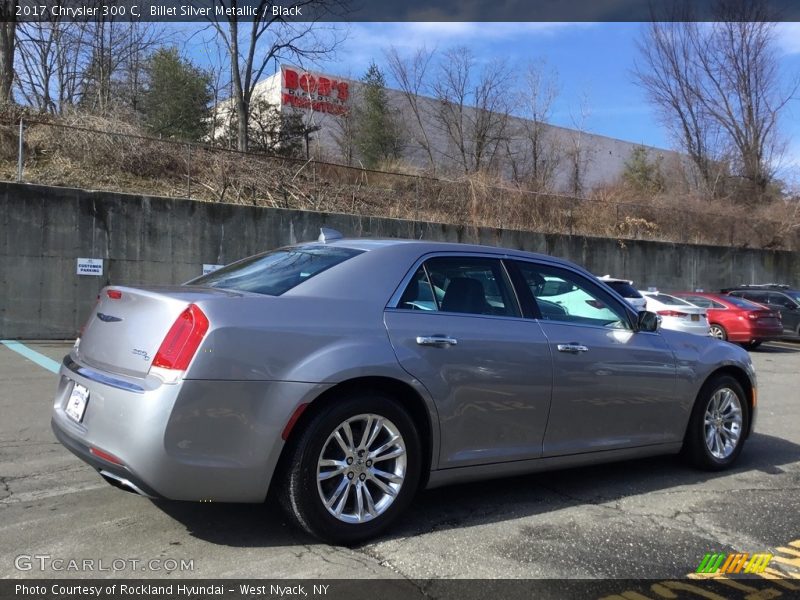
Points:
(652, 518)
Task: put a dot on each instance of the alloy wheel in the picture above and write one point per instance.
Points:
(723, 423)
(361, 468)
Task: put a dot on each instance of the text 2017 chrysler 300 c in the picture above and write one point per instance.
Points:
(346, 374)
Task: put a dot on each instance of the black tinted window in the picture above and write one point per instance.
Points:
(780, 300)
(461, 284)
(624, 289)
(276, 272)
(741, 303)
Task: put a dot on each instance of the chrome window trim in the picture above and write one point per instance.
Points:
(398, 293)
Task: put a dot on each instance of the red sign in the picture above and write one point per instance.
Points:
(317, 92)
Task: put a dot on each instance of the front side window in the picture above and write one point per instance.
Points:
(561, 295)
(462, 284)
(276, 272)
(760, 297)
(780, 300)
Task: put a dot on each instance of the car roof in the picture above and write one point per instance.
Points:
(609, 279)
(370, 244)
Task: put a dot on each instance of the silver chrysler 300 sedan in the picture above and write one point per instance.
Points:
(344, 375)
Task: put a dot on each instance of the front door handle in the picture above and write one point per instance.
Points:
(439, 341)
(573, 348)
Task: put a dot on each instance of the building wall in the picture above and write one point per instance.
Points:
(602, 158)
(149, 241)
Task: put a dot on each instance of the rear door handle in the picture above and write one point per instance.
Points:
(573, 348)
(436, 340)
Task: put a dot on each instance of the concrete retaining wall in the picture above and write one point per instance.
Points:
(145, 240)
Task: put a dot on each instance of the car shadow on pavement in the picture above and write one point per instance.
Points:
(236, 525)
(772, 349)
(466, 505)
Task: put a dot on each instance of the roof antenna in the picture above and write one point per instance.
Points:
(326, 234)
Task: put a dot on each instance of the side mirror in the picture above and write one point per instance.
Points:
(647, 321)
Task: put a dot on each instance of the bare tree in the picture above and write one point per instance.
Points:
(718, 88)
(344, 134)
(473, 108)
(252, 42)
(53, 59)
(541, 149)
(578, 153)
(8, 29)
(115, 50)
(411, 75)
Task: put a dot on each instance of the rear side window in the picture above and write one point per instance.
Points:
(461, 284)
(704, 302)
(626, 290)
(780, 300)
(741, 302)
(276, 272)
(670, 300)
(760, 297)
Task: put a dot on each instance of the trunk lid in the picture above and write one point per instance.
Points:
(128, 325)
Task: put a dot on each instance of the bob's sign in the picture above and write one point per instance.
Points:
(314, 92)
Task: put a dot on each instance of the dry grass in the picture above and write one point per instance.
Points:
(59, 155)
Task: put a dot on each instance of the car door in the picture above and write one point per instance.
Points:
(613, 387)
(456, 327)
(787, 308)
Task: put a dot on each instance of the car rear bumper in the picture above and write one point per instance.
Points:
(196, 440)
(756, 334)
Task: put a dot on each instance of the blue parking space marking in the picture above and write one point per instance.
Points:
(40, 359)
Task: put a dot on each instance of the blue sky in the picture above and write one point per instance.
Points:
(592, 61)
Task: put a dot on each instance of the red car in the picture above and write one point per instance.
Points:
(737, 320)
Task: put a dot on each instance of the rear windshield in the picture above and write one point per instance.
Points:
(276, 272)
(742, 303)
(670, 300)
(626, 290)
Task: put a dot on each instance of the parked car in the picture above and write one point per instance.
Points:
(624, 287)
(337, 376)
(736, 319)
(677, 314)
(780, 298)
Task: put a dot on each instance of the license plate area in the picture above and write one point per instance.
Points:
(695, 317)
(76, 404)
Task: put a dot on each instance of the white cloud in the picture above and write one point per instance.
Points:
(368, 41)
(787, 36)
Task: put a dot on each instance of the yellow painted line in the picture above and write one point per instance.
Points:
(779, 578)
(694, 589)
(793, 562)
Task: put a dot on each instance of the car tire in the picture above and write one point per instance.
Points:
(715, 435)
(312, 496)
(718, 331)
(751, 345)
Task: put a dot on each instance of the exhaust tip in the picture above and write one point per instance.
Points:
(123, 484)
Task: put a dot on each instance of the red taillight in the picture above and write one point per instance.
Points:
(671, 313)
(182, 341)
(106, 456)
(114, 294)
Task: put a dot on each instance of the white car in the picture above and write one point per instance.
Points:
(677, 314)
(624, 287)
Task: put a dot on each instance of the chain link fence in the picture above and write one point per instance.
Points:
(59, 154)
